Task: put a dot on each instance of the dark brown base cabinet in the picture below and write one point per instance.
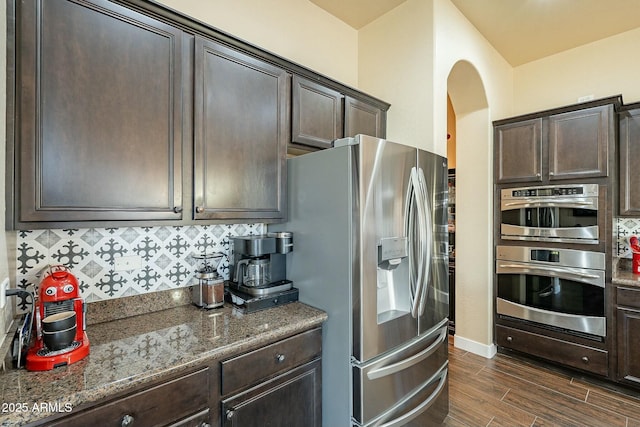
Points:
(182, 401)
(279, 384)
(127, 112)
(628, 327)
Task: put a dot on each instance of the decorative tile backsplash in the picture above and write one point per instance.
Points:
(625, 228)
(166, 254)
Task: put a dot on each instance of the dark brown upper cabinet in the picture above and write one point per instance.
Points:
(317, 114)
(579, 143)
(629, 158)
(518, 148)
(575, 142)
(242, 107)
(363, 118)
(99, 117)
(127, 112)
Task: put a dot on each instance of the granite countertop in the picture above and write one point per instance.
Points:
(136, 350)
(622, 273)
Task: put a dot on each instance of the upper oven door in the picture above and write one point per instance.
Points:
(560, 214)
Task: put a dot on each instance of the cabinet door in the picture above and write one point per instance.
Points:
(293, 399)
(100, 113)
(630, 163)
(518, 148)
(363, 118)
(579, 143)
(628, 343)
(317, 114)
(241, 134)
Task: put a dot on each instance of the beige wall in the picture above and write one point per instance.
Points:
(406, 57)
(396, 64)
(297, 30)
(604, 68)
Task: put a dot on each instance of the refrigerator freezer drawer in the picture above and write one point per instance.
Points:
(401, 381)
(426, 406)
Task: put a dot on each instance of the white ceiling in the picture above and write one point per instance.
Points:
(521, 30)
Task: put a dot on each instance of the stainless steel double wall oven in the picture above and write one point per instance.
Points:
(556, 281)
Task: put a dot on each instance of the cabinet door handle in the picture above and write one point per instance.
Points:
(127, 421)
(177, 209)
(199, 209)
(280, 358)
(229, 414)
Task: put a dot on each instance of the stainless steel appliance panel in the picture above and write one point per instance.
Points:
(552, 287)
(436, 291)
(560, 213)
(360, 227)
(382, 386)
(381, 179)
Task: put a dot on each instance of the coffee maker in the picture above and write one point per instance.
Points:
(60, 322)
(258, 271)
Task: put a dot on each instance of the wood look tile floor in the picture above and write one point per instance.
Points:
(510, 391)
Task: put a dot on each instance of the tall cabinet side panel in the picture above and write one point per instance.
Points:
(319, 210)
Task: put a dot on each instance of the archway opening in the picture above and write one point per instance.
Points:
(473, 286)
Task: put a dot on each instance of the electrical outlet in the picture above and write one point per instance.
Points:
(127, 263)
(3, 292)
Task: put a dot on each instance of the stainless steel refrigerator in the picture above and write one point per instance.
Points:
(369, 223)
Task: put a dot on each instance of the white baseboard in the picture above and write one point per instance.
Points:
(486, 351)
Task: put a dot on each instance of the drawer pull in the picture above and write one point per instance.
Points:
(509, 339)
(585, 359)
(230, 413)
(127, 421)
(205, 424)
(280, 358)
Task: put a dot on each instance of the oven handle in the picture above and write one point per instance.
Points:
(550, 203)
(567, 273)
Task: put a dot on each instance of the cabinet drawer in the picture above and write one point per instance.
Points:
(570, 354)
(159, 405)
(629, 297)
(250, 368)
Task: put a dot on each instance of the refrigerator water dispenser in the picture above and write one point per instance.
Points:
(393, 300)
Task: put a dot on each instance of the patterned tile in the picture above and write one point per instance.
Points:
(166, 254)
(624, 229)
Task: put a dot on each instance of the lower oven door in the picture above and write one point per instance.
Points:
(565, 297)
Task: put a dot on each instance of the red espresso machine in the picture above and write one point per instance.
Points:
(58, 298)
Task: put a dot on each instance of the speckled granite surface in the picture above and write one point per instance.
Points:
(135, 350)
(622, 274)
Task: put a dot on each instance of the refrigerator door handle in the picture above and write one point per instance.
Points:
(410, 232)
(426, 234)
(422, 247)
(407, 363)
(402, 420)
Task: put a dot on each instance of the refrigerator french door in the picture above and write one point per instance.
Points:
(369, 221)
